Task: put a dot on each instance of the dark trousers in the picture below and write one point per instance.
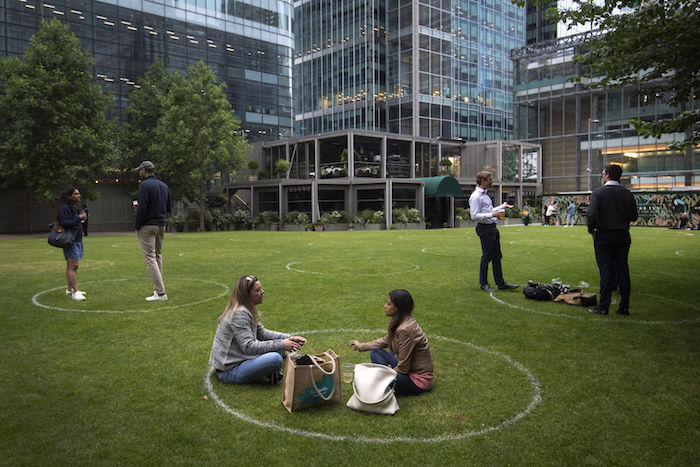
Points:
(404, 384)
(611, 252)
(490, 253)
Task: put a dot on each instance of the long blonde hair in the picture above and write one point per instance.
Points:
(240, 297)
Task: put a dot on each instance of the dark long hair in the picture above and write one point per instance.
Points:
(65, 198)
(403, 302)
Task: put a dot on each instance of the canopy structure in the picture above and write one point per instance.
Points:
(441, 187)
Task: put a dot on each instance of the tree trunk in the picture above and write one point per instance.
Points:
(202, 195)
(30, 211)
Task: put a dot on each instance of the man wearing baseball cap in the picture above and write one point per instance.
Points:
(151, 217)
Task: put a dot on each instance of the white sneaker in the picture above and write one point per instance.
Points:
(155, 297)
(70, 292)
(78, 295)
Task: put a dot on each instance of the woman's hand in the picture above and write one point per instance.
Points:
(354, 344)
(299, 340)
(290, 345)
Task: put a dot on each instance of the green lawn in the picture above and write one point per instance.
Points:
(116, 380)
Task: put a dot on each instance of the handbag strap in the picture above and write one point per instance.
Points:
(388, 395)
(313, 381)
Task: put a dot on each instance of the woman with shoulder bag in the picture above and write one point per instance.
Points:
(69, 217)
(410, 351)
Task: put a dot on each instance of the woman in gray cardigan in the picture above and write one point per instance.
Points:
(244, 351)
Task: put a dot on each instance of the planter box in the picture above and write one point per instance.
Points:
(336, 227)
(368, 227)
(292, 228)
(273, 227)
(410, 226)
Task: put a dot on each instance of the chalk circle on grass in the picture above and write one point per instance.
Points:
(612, 317)
(356, 267)
(510, 419)
(135, 294)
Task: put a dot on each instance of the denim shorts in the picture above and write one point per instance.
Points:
(74, 251)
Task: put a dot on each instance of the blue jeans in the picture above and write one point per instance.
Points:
(253, 371)
(404, 384)
(490, 253)
(570, 219)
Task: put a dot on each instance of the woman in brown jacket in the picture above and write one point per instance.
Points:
(410, 351)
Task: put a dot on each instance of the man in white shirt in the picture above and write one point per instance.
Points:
(482, 211)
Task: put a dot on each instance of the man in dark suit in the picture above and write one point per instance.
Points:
(609, 214)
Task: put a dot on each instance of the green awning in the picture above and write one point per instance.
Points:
(441, 187)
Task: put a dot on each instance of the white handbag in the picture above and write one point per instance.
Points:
(373, 389)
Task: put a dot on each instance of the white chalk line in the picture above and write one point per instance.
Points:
(604, 318)
(289, 266)
(35, 298)
(536, 399)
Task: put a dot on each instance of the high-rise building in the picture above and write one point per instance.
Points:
(247, 43)
(581, 127)
(429, 68)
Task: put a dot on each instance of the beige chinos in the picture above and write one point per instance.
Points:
(151, 241)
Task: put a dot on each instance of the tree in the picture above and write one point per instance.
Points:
(197, 136)
(650, 43)
(147, 104)
(53, 126)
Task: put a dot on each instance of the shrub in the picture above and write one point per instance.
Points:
(514, 212)
(462, 214)
(177, 222)
(241, 219)
(296, 218)
(218, 219)
(405, 215)
(192, 221)
(368, 216)
(267, 217)
(335, 217)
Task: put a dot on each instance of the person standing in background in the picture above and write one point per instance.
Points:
(570, 213)
(153, 206)
(612, 209)
(482, 211)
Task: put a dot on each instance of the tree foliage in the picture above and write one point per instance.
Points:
(146, 107)
(185, 124)
(651, 43)
(53, 126)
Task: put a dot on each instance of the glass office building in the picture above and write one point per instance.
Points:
(247, 43)
(428, 68)
(582, 127)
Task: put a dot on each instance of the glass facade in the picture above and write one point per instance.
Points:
(430, 68)
(581, 127)
(248, 44)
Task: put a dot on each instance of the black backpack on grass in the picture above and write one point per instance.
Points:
(539, 291)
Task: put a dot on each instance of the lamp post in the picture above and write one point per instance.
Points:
(588, 169)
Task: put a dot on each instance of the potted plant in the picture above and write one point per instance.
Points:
(318, 225)
(263, 175)
(335, 220)
(295, 221)
(281, 167)
(463, 218)
(253, 167)
(267, 220)
(369, 220)
(445, 164)
(406, 218)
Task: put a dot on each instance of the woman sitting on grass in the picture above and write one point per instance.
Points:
(244, 351)
(410, 351)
